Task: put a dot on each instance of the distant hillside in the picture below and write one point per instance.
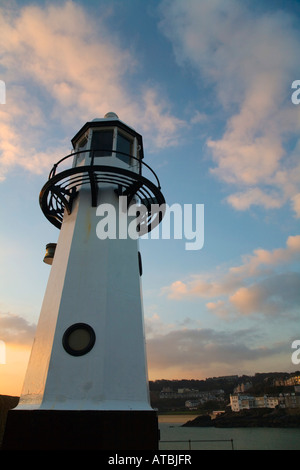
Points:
(261, 382)
(6, 403)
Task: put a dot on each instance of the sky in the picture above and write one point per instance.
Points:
(208, 84)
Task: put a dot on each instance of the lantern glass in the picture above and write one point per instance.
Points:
(102, 142)
(124, 145)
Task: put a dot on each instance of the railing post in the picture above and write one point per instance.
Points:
(190, 444)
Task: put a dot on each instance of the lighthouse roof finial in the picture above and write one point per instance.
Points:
(111, 115)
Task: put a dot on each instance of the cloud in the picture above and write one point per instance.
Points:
(62, 67)
(157, 119)
(249, 59)
(254, 196)
(16, 329)
(155, 325)
(200, 349)
(252, 264)
(253, 287)
(276, 295)
(220, 308)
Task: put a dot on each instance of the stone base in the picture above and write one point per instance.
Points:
(80, 430)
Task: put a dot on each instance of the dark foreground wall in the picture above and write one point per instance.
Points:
(81, 430)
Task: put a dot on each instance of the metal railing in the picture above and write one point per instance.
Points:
(92, 156)
(190, 441)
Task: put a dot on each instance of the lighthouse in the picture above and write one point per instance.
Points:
(86, 385)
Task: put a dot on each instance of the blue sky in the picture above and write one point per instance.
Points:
(208, 85)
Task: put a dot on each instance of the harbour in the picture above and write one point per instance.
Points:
(175, 437)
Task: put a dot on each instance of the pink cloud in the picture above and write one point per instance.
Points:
(246, 300)
(261, 258)
(63, 67)
(249, 59)
(253, 286)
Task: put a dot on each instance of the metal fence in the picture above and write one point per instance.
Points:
(189, 443)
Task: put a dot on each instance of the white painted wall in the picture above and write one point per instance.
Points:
(95, 282)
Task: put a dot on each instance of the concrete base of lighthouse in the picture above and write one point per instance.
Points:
(81, 430)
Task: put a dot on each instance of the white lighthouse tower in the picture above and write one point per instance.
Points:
(86, 385)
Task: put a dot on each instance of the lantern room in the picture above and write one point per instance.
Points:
(107, 153)
(108, 141)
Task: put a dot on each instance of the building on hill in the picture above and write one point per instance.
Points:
(245, 402)
(294, 380)
(240, 402)
(287, 381)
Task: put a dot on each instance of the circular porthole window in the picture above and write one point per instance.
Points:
(79, 339)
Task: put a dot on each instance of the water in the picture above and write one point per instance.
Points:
(243, 438)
